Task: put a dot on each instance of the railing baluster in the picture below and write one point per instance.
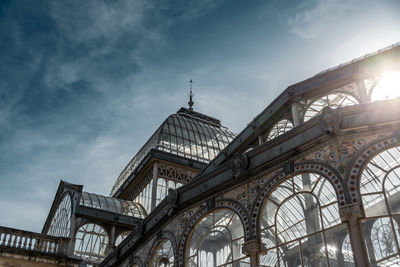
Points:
(30, 241)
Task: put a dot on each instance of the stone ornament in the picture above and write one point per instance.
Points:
(253, 247)
(350, 211)
(330, 119)
(239, 165)
(172, 200)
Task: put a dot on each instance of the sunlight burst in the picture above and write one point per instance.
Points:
(388, 87)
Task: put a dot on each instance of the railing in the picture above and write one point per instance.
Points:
(29, 241)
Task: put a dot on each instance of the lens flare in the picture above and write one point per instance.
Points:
(388, 87)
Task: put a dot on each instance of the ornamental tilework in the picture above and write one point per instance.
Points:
(340, 153)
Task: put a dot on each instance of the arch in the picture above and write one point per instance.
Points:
(91, 242)
(353, 176)
(159, 245)
(219, 204)
(303, 167)
(299, 221)
(334, 100)
(378, 186)
(61, 222)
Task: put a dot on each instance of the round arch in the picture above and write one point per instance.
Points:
(375, 181)
(230, 204)
(304, 167)
(333, 100)
(360, 162)
(91, 242)
(160, 244)
(298, 218)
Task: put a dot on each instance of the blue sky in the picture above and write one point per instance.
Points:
(83, 84)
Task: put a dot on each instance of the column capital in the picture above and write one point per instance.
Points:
(253, 247)
(350, 211)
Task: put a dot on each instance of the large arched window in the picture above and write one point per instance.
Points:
(380, 192)
(300, 224)
(91, 242)
(164, 254)
(217, 241)
(61, 222)
(333, 101)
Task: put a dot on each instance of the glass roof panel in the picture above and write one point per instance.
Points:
(114, 205)
(186, 133)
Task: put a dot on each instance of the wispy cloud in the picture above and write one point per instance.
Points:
(311, 18)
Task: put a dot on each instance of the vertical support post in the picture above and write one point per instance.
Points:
(112, 236)
(352, 214)
(260, 140)
(362, 91)
(154, 187)
(73, 229)
(253, 248)
(295, 115)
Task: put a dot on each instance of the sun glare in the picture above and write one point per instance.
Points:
(388, 87)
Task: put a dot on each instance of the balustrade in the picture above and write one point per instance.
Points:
(30, 241)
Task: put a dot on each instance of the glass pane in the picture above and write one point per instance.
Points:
(392, 187)
(380, 240)
(374, 205)
(338, 247)
(291, 222)
(269, 259)
(314, 250)
(289, 255)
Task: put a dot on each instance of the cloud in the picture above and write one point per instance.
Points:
(313, 18)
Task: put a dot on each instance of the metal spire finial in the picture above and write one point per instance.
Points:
(191, 103)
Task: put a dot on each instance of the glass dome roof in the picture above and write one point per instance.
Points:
(188, 134)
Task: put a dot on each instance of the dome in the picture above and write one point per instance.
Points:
(188, 134)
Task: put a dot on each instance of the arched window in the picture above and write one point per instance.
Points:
(279, 128)
(380, 192)
(164, 254)
(61, 223)
(300, 224)
(217, 240)
(333, 101)
(91, 242)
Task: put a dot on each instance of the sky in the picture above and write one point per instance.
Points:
(84, 84)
